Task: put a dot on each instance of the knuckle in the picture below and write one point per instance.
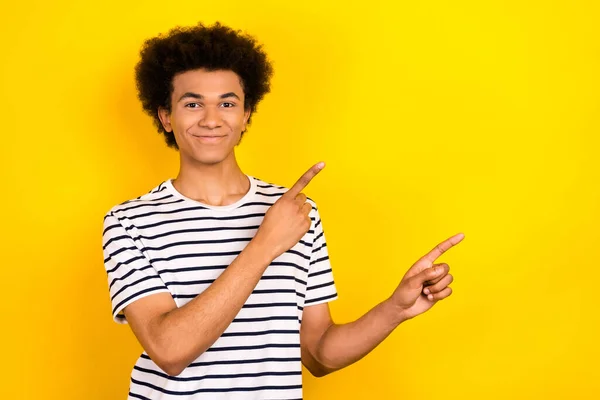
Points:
(414, 283)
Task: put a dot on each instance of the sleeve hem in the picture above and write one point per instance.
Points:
(321, 300)
(120, 319)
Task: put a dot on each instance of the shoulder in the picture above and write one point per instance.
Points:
(274, 190)
(158, 195)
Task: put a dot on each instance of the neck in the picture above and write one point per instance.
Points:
(218, 184)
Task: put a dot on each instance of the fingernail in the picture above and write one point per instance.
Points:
(426, 291)
(321, 165)
(430, 297)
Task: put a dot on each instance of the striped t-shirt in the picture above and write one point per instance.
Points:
(163, 241)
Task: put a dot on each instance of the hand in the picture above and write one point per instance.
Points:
(425, 283)
(288, 219)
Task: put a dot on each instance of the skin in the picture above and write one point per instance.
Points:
(174, 337)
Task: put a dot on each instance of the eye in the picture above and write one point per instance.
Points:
(192, 104)
(228, 104)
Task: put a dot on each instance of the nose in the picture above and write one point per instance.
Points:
(211, 118)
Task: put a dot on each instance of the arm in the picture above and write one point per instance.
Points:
(327, 347)
(174, 337)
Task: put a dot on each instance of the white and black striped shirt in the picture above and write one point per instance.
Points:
(165, 242)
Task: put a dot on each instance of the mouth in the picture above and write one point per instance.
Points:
(209, 138)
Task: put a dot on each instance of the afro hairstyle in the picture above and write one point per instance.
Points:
(215, 47)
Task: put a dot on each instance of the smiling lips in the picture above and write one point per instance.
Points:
(209, 139)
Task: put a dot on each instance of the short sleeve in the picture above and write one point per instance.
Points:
(130, 274)
(320, 286)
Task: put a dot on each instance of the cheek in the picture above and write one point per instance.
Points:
(236, 122)
(184, 121)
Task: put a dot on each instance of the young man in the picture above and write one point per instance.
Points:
(224, 278)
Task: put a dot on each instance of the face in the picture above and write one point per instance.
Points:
(207, 115)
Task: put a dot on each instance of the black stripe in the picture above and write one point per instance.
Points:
(199, 378)
(265, 291)
(224, 266)
(319, 248)
(257, 347)
(257, 203)
(127, 275)
(195, 219)
(270, 185)
(264, 319)
(184, 296)
(192, 255)
(319, 260)
(331, 296)
(211, 229)
(117, 265)
(175, 211)
(138, 396)
(289, 264)
(151, 203)
(320, 286)
(261, 333)
(189, 269)
(270, 194)
(219, 390)
(108, 228)
(115, 238)
(264, 305)
(273, 291)
(214, 241)
(229, 362)
(130, 285)
(188, 283)
(122, 249)
(313, 274)
(295, 252)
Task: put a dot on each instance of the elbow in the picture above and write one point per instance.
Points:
(321, 369)
(168, 360)
(170, 365)
(171, 369)
(319, 373)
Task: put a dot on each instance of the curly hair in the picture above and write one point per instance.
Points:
(215, 47)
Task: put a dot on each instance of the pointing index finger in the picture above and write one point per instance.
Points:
(305, 180)
(443, 247)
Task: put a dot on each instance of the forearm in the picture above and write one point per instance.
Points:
(344, 344)
(184, 333)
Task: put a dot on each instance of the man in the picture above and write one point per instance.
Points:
(224, 278)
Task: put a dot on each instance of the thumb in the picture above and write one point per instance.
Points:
(426, 275)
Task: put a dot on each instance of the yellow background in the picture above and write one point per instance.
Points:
(434, 117)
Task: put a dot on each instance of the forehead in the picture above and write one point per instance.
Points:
(207, 83)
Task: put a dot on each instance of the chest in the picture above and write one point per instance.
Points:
(191, 251)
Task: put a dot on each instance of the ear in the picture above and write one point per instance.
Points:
(165, 118)
(246, 117)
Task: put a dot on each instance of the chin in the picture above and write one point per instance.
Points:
(211, 158)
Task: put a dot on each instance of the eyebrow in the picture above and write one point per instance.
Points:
(200, 97)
